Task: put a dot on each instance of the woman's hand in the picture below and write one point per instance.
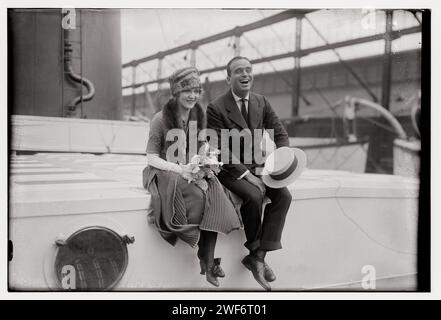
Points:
(188, 171)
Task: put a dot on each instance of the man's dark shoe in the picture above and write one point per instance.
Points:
(269, 273)
(258, 269)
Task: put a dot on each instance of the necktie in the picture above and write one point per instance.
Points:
(243, 110)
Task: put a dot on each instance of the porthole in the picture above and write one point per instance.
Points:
(93, 258)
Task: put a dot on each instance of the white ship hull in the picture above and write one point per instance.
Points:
(338, 223)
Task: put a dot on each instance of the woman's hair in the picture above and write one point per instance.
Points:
(172, 116)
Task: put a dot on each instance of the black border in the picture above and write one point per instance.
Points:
(424, 207)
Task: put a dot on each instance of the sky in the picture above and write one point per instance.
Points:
(147, 31)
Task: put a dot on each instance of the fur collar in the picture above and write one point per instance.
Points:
(172, 118)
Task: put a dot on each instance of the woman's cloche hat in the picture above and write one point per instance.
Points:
(184, 79)
(283, 166)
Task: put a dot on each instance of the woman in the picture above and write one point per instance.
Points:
(180, 208)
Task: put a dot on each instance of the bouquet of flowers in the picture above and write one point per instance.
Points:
(203, 166)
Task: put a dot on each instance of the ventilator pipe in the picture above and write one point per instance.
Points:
(389, 116)
(74, 76)
(87, 83)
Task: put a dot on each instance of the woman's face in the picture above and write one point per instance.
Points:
(188, 98)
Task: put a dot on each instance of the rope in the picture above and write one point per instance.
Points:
(207, 56)
(347, 158)
(315, 158)
(378, 124)
(334, 154)
(275, 33)
(414, 13)
(145, 72)
(269, 62)
(337, 148)
(359, 227)
(108, 145)
(343, 62)
(162, 29)
(170, 63)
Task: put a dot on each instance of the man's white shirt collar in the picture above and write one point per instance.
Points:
(237, 98)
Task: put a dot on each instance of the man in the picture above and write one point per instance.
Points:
(241, 109)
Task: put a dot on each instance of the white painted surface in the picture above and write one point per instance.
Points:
(407, 158)
(326, 154)
(77, 135)
(33, 133)
(338, 222)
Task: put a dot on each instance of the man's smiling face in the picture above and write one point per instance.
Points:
(241, 77)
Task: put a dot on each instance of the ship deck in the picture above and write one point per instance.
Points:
(338, 223)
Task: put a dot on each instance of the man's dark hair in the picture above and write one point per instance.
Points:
(232, 60)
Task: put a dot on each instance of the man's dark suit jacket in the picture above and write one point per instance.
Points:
(223, 113)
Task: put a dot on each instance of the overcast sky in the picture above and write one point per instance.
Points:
(147, 31)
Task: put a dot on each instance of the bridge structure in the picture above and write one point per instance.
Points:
(292, 78)
(300, 87)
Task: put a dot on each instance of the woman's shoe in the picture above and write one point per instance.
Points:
(211, 277)
(217, 270)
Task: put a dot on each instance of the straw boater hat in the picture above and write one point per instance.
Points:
(283, 166)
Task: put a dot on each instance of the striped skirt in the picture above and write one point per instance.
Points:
(209, 210)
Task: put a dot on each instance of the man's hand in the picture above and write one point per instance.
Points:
(251, 178)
